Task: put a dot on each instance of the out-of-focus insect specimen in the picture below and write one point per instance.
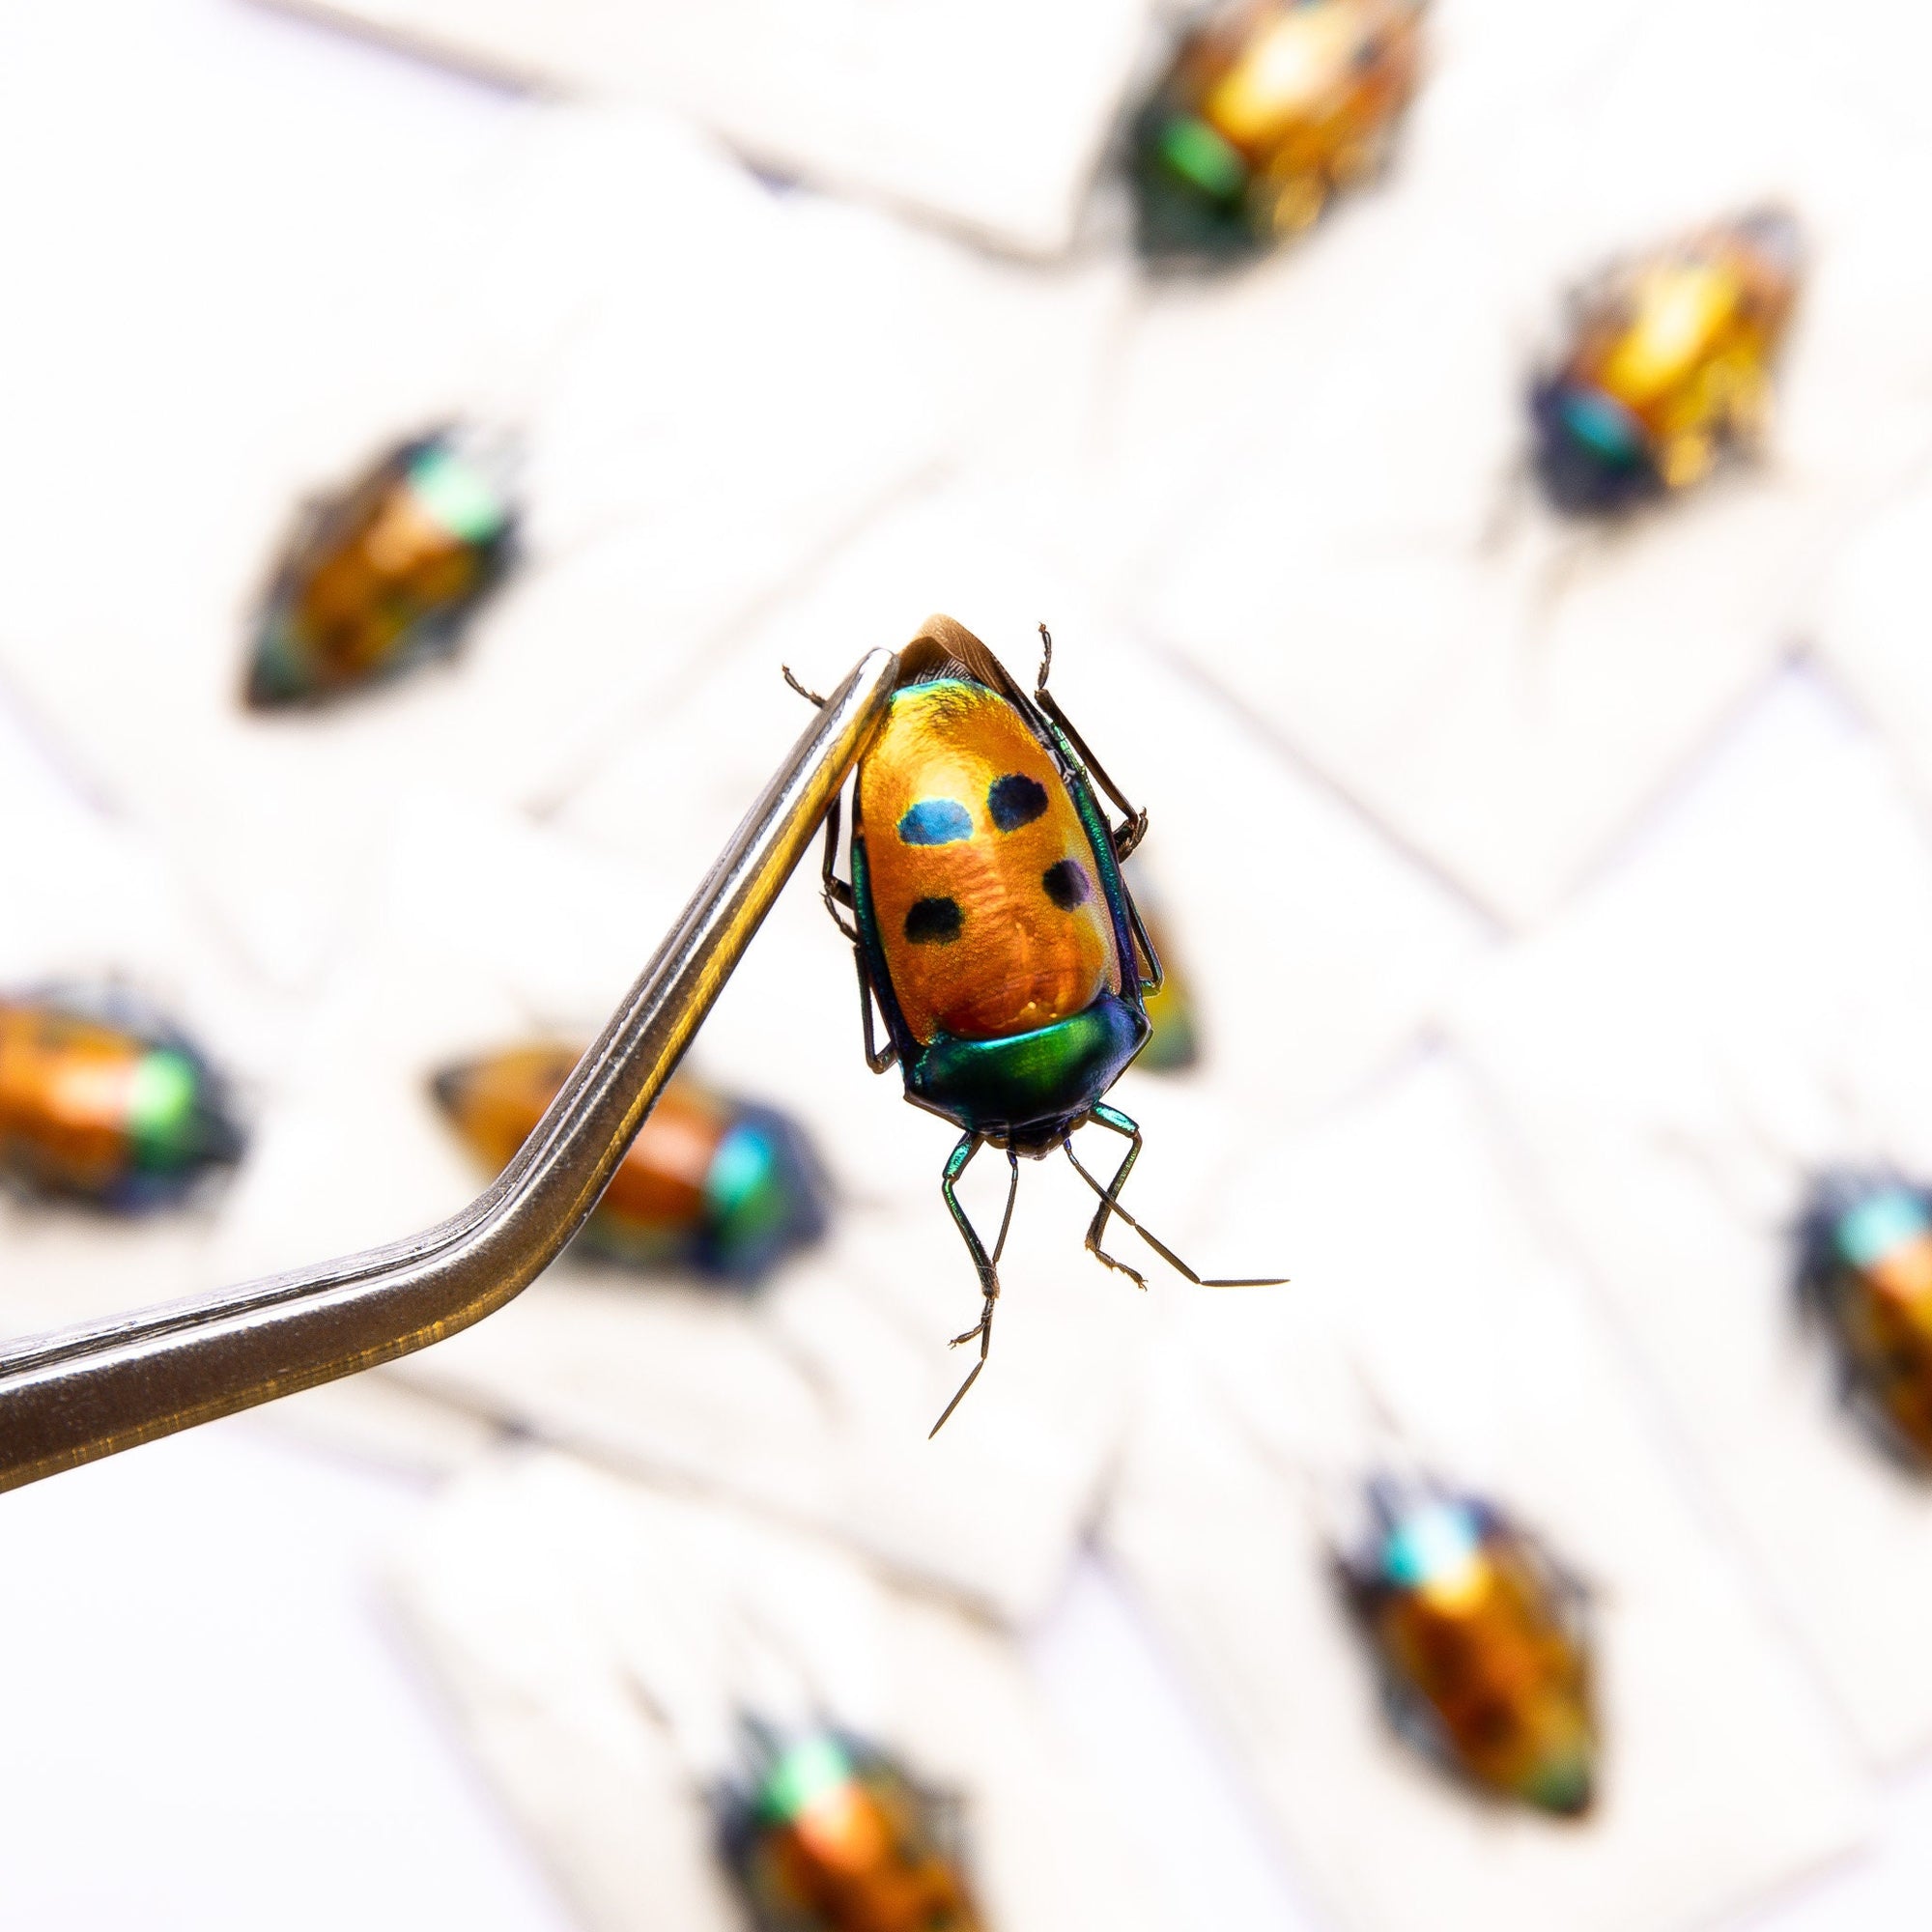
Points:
(1174, 1043)
(1865, 1273)
(830, 1835)
(992, 928)
(102, 1101)
(1481, 1642)
(384, 576)
(1669, 364)
(1269, 107)
(710, 1184)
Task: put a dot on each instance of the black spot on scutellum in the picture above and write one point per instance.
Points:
(1016, 800)
(933, 921)
(1065, 884)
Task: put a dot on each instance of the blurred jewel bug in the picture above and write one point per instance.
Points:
(828, 1833)
(1668, 365)
(1864, 1274)
(1174, 1039)
(1269, 107)
(103, 1102)
(710, 1184)
(384, 574)
(993, 930)
(1481, 1642)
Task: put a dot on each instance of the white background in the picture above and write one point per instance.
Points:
(208, 1723)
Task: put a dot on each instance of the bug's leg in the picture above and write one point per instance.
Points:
(1110, 1195)
(1012, 1195)
(982, 1263)
(810, 696)
(1110, 1205)
(1155, 976)
(835, 893)
(1126, 836)
(832, 889)
(879, 1060)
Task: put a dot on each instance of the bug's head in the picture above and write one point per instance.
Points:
(1592, 456)
(1859, 1220)
(765, 1195)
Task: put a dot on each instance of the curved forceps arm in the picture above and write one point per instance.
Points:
(82, 1393)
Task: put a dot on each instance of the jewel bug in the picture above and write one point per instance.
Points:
(1481, 1642)
(103, 1102)
(993, 930)
(1668, 365)
(710, 1184)
(1864, 1274)
(384, 576)
(1269, 107)
(829, 1834)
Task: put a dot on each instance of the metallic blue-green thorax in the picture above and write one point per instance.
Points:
(1029, 1090)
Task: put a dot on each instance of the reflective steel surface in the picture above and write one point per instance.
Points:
(81, 1393)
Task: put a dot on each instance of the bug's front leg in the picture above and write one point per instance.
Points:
(986, 1266)
(832, 889)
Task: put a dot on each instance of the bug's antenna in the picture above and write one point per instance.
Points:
(1046, 661)
(810, 697)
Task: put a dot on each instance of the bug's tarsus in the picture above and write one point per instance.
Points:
(1046, 661)
(810, 696)
(1130, 834)
(1110, 1205)
(984, 1264)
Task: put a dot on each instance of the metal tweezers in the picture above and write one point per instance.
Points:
(82, 1393)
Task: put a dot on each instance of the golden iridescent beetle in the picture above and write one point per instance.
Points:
(1482, 1644)
(103, 1100)
(991, 926)
(1669, 364)
(1864, 1273)
(1269, 107)
(828, 1833)
(715, 1185)
(384, 576)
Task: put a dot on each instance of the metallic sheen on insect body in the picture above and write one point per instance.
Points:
(384, 576)
(710, 1184)
(830, 1835)
(1270, 107)
(1668, 365)
(103, 1102)
(1865, 1274)
(991, 926)
(1482, 1646)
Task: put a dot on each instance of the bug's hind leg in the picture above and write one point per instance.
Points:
(986, 1265)
(1110, 1195)
(1110, 1205)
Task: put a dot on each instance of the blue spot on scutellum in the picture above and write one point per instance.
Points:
(1016, 800)
(935, 821)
